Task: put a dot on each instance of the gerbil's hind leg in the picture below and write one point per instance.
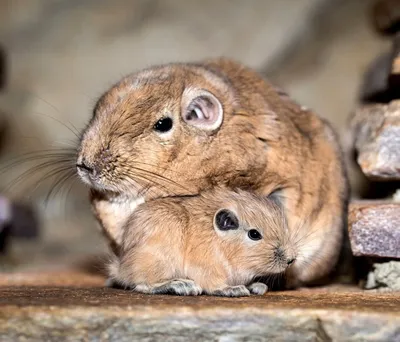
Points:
(258, 288)
(232, 291)
(180, 287)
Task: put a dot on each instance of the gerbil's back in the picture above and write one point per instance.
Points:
(256, 92)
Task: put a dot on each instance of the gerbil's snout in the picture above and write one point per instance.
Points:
(290, 261)
(86, 170)
(284, 258)
(95, 169)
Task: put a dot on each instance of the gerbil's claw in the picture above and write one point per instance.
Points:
(232, 291)
(180, 287)
(258, 288)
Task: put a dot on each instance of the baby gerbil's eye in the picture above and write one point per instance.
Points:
(254, 235)
(195, 114)
(226, 220)
(163, 125)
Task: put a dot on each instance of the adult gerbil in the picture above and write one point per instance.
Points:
(182, 128)
(216, 243)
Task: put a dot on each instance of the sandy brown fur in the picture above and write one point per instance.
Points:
(174, 238)
(266, 142)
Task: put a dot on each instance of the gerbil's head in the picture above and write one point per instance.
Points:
(254, 234)
(156, 131)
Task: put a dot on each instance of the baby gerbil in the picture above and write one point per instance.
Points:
(182, 128)
(216, 243)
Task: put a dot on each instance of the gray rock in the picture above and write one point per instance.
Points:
(376, 131)
(98, 314)
(385, 276)
(374, 229)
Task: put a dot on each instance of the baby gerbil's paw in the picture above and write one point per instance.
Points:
(143, 288)
(258, 288)
(180, 287)
(232, 291)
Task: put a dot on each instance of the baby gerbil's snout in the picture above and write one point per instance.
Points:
(290, 261)
(284, 257)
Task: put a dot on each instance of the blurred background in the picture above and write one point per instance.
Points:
(60, 55)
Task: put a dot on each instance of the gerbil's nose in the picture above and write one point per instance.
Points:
(283, 256)
(83, 166)
(290, 261)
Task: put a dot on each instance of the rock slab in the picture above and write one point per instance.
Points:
(374, 229)
(376, 132)
(101, 314)
(385, 276)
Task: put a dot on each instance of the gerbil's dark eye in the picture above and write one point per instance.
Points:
(254, 235)
(226, 220)
(163, 125)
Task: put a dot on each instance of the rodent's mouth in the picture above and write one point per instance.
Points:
(84, 176)
(95, 183)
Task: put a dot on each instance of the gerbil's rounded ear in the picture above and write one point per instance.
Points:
(225, 219)
(201, 109)
(277, 197)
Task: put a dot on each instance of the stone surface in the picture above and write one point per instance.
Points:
(101, 314)
(376, 132)
(385, 276)
(374, 229)
(70, 304)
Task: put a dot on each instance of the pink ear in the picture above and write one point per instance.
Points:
(201, 109)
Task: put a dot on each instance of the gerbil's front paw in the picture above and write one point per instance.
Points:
(258, 288)
(232, 291)
(180, 287)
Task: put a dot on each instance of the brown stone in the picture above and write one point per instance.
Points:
(101, 314)
(376, 132)
(374, 229)
(71, 305)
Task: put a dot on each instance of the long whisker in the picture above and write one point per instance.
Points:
(161, 168)
(73, 130)
(34, 170)
(160, 177)
(58, 185)
(149, 182)
(37, 156)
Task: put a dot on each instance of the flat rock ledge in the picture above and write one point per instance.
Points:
(374, 229)
(376, 131)
(90, 312)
